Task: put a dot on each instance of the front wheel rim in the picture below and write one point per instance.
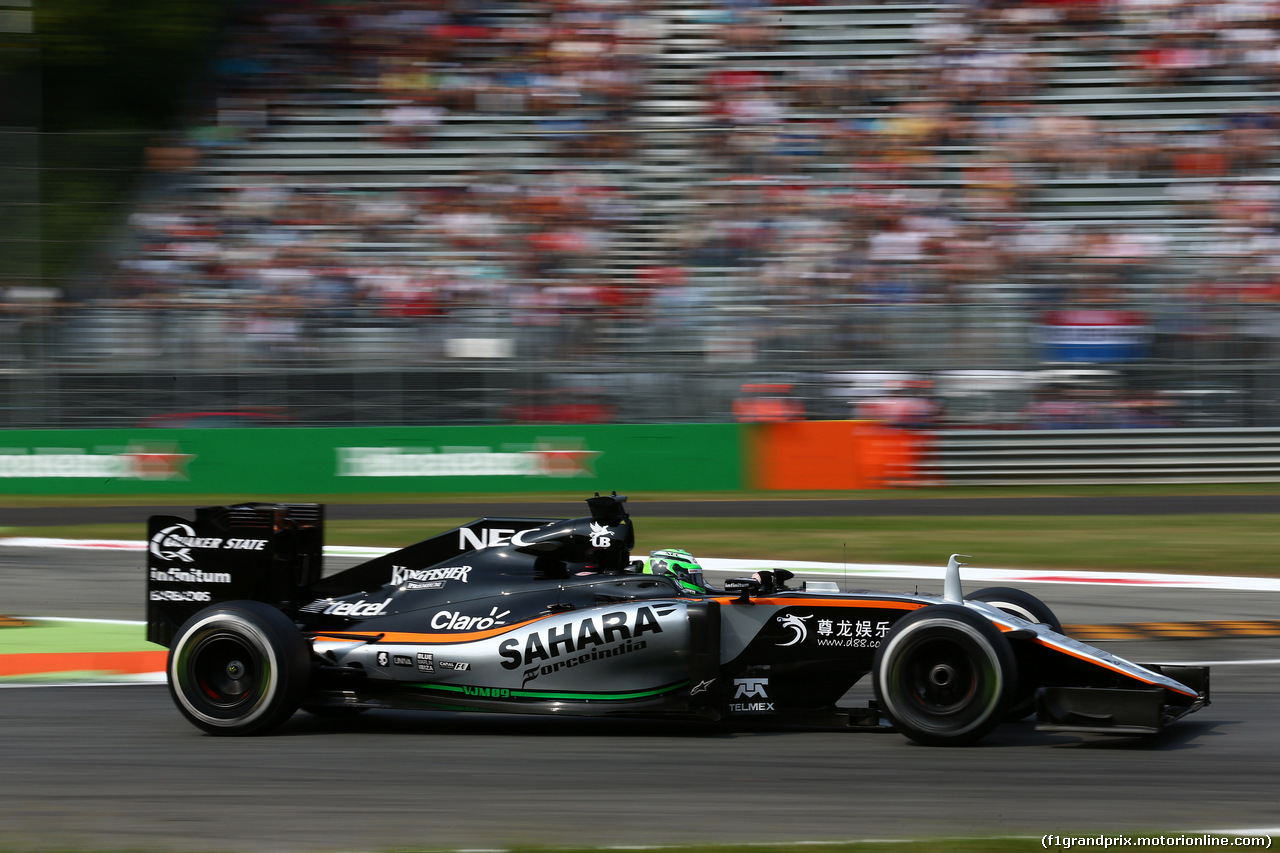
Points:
(940, 678)
(942, 681)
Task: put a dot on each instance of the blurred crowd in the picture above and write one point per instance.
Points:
(867, 206)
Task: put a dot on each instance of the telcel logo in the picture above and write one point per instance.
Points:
(361, 608)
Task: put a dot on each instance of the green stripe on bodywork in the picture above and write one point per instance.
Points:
(547, 694)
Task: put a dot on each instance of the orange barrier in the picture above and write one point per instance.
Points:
(115, 663)
(834, 455)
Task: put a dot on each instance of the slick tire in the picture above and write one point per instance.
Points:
(944, 676)
(1026, 606)
(238, 668)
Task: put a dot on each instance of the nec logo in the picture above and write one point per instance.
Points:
(490, 537)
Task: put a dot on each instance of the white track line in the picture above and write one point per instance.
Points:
(855, 570)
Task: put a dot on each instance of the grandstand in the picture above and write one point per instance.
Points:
(410, 212)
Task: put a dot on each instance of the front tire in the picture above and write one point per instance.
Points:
(1015, 602)
(944, 676)
(1026, 606)
(238, 668)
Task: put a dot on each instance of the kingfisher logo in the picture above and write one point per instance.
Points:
(401, 574)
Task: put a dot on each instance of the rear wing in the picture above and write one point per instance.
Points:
(259, 551)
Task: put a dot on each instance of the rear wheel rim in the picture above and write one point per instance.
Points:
(227, 671)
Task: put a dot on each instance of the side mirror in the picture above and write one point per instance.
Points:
(743, 587)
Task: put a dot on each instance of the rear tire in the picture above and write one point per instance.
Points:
(238, 668)
(944, 675)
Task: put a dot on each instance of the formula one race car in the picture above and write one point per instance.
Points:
(551, 616)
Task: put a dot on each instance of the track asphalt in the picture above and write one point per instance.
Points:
(762, 508)
(79, 650)
(118, 768)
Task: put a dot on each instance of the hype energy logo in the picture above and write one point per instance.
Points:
(135, 462)
(546, 458)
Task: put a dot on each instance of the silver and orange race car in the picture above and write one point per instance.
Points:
(552, 616)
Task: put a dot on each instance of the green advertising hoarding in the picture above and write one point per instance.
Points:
(301, 461)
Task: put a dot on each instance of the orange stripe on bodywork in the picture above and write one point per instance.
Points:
(881, 604)
(408, 637)
(1048, 644)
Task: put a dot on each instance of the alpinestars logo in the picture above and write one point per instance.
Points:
(796, 625)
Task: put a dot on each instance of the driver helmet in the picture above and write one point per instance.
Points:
(681, 565)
